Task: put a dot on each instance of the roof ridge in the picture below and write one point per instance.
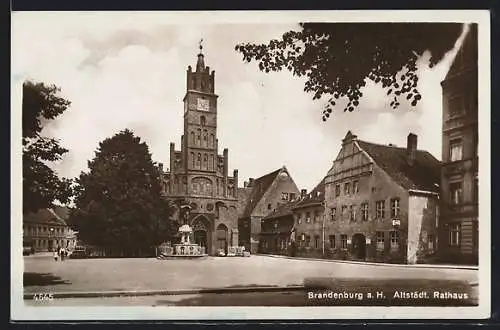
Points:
(392, 146)
(258, 190)
(265, 175)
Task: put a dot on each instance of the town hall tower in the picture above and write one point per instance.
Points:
(205, 196)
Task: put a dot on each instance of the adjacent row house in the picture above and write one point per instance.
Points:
(459, 230)
(377, 203)
(263, 196)
(382, 202)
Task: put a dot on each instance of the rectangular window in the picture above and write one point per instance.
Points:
(395, 208)
(394, 240)
(456, 149)
(308, 240)
(343, 241)
(347, 188)
(284, 196)
(333, 213)
(455, 234)
(380, 240)
(475, 141)
(344, 212)
(455, 106)
(352, 213)
(430, 242)
(355, 187)
(364, 211)
(316, 242)
(292, 196)
(456, 193)
(337, 190)
(308, 217)
(331, 238)
(299, 218)
(476, 190)
(380, 209)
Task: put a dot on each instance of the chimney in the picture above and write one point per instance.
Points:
(245, 184)
(160, 166)
(303, 193)
(411, 148)
(250, 182)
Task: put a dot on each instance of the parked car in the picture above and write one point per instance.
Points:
(27, 250)
(79, 253)
(28, 247)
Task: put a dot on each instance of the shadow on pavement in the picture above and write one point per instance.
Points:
(342, 292)
(42, 279)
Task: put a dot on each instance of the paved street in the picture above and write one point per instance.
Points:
(261, 298)
(43, 274)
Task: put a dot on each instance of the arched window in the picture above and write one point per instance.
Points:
(184, 185)
(202, 120)
(205, 138)
(192, 138)
(198, 163)
(199, 137)
(205, 161)
(218, 187)
(176, 185)
(212, 141)
(192, 159)
(212, 162)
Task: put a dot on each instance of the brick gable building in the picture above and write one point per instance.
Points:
(264, 195)
(381, 202)
(198, 180)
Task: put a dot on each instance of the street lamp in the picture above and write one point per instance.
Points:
(52, 236)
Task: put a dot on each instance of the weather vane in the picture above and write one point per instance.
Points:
(201, 45)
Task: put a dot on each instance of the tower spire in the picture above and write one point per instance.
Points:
(200, 65)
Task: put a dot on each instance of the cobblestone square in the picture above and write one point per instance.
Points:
(43, 274)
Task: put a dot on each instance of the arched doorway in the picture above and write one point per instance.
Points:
(201, 233)
(359, 246)
(222, 232)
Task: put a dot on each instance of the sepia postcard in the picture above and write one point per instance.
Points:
(250, 165)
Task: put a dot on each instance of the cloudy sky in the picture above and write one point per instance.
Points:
(124, 70)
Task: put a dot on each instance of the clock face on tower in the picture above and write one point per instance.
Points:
(203, 105)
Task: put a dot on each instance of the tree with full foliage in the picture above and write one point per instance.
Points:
(338, 58)
(119, 202)
(41, 185)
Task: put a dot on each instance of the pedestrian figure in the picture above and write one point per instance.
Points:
(55, 255)
(62, 254)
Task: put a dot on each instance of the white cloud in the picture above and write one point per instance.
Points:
(266, 121)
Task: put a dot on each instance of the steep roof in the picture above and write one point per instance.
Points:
(317, 195)
(466, 57)
(62, 212)
(259, 188)
(44, 216)
(282, 210)
(423, 174)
